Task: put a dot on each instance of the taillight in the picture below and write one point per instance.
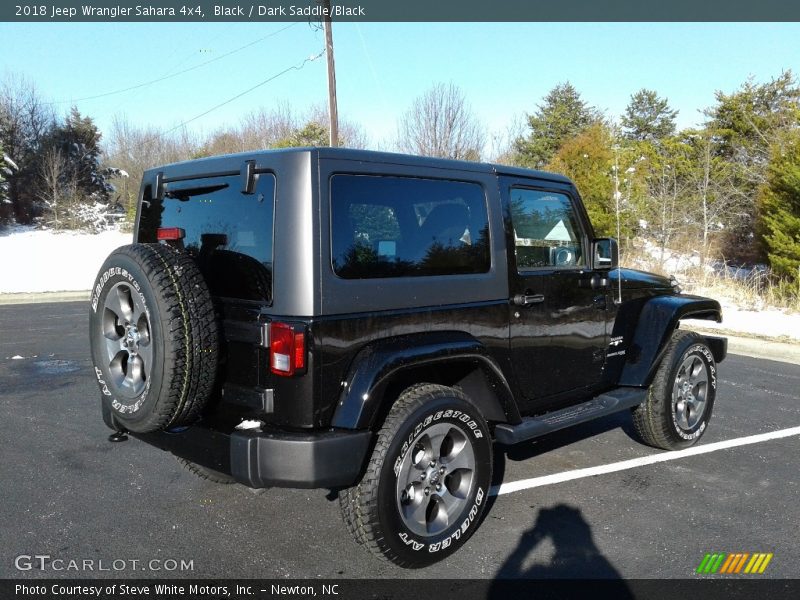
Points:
(169, 233)
(287, 348)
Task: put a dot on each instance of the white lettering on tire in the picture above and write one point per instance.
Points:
(449, 414)
(479, 495)
(101, 282)
(453, 537)
(709, 361)
(103, 279)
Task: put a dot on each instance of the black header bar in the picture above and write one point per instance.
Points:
(405, 11)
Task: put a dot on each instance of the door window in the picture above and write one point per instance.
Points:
(547, 233)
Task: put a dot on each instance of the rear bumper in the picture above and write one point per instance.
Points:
(258, 459)
(326, 459)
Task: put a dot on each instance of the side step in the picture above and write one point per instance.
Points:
(599, 406)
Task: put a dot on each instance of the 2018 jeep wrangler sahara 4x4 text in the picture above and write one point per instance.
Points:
(371, 322)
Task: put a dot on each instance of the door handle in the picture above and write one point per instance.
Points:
(527, 299)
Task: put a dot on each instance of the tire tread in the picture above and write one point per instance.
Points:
(359, 504)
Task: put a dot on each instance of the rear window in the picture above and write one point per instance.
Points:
(384, 226)
(228, 232)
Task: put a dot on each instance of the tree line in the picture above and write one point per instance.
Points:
(727, 189)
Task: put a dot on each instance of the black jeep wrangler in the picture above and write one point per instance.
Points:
(371, 323)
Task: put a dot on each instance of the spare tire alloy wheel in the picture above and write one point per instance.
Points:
(154, 337)
(427, 483)
(129, 348)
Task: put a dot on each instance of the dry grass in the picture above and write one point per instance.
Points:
(752, 290)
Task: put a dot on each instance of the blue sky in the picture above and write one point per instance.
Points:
(503, 68)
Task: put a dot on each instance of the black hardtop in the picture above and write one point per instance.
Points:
(229, 164)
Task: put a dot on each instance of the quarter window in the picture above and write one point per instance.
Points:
(384, 226)
(546, 230)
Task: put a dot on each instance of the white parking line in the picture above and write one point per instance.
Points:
(525, 484)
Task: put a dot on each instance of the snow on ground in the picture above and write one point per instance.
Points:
(35, 260)
(670, 261)
(771, 322)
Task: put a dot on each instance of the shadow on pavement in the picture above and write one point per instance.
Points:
(576, 555)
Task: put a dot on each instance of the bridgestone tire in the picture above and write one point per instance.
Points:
(206, 473)
(681, 398)
(154, 337)
(411, 520)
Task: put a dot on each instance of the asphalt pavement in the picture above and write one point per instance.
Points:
(69, 494)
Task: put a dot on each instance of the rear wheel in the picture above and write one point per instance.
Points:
(427, 481)
(681, 397)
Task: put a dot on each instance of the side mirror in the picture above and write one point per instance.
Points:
(605, 253)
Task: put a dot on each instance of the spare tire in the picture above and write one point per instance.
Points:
(154, 337)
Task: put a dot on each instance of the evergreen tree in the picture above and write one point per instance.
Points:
(780, 207)
(745, 126)
(648, 117)
(78, 141)
(747, 122)
(312, 134)
(561, 116)
(588, 160)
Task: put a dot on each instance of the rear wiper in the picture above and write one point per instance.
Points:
(183, 194)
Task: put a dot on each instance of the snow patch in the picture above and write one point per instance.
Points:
(768, 322)
(36, 260)
(9, 162)
(668, 260)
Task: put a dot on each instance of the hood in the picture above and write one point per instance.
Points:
(633, 279)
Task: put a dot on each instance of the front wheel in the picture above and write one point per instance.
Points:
(427, 482)
(681, 397)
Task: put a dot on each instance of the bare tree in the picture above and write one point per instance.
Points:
(351, 134)
(132, 150)
(265, 128)
(25, 119)
(57, 189)
(440, 123)
(503, 143)
(278, 128)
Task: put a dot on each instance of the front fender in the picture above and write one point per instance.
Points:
(381, 363)
(658, 319)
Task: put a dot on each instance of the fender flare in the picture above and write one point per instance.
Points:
(380, 364)
(658, 319)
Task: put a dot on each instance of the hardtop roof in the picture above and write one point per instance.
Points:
(230, 162)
